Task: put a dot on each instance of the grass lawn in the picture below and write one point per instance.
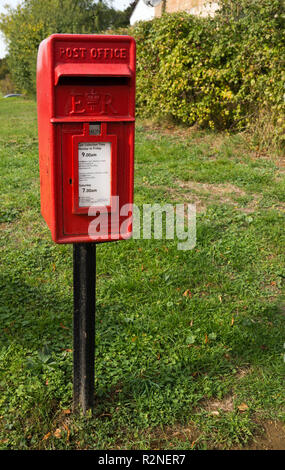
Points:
(189, 344)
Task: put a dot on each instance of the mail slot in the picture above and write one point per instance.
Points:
(86, 115)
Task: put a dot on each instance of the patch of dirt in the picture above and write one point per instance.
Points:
(217, 189)
(273, 437)
(203, 194)
(281, 164)
(224, 193)
(242, 372)
(166, 438)
(270, 437)
(215, 406)
(199, 201)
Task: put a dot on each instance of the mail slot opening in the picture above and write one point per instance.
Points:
(93, 81)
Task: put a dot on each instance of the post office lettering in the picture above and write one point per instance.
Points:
(95, 53)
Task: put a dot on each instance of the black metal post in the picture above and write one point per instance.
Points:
(84, 296)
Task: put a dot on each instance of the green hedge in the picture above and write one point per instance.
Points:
(216, 72)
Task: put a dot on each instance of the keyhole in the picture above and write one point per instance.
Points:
(70, 181)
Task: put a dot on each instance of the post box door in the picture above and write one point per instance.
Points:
(93, 173)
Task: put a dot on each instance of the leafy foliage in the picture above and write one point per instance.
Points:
(216, 72)
(34, 20)
(4, 70)
(6, 86)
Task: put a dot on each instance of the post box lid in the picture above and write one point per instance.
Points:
(91, 70)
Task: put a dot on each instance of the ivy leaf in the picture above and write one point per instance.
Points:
(212, 336)
(190, 339)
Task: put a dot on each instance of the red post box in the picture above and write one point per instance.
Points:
(86, 114)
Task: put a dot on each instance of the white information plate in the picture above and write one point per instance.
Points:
(94, 174)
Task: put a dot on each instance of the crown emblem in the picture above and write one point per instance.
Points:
(93, 99)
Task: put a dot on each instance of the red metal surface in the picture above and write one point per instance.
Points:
(81, 80)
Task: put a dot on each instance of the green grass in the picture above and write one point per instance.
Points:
(166, 363)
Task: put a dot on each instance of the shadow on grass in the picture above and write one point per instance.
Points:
(33, 315)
